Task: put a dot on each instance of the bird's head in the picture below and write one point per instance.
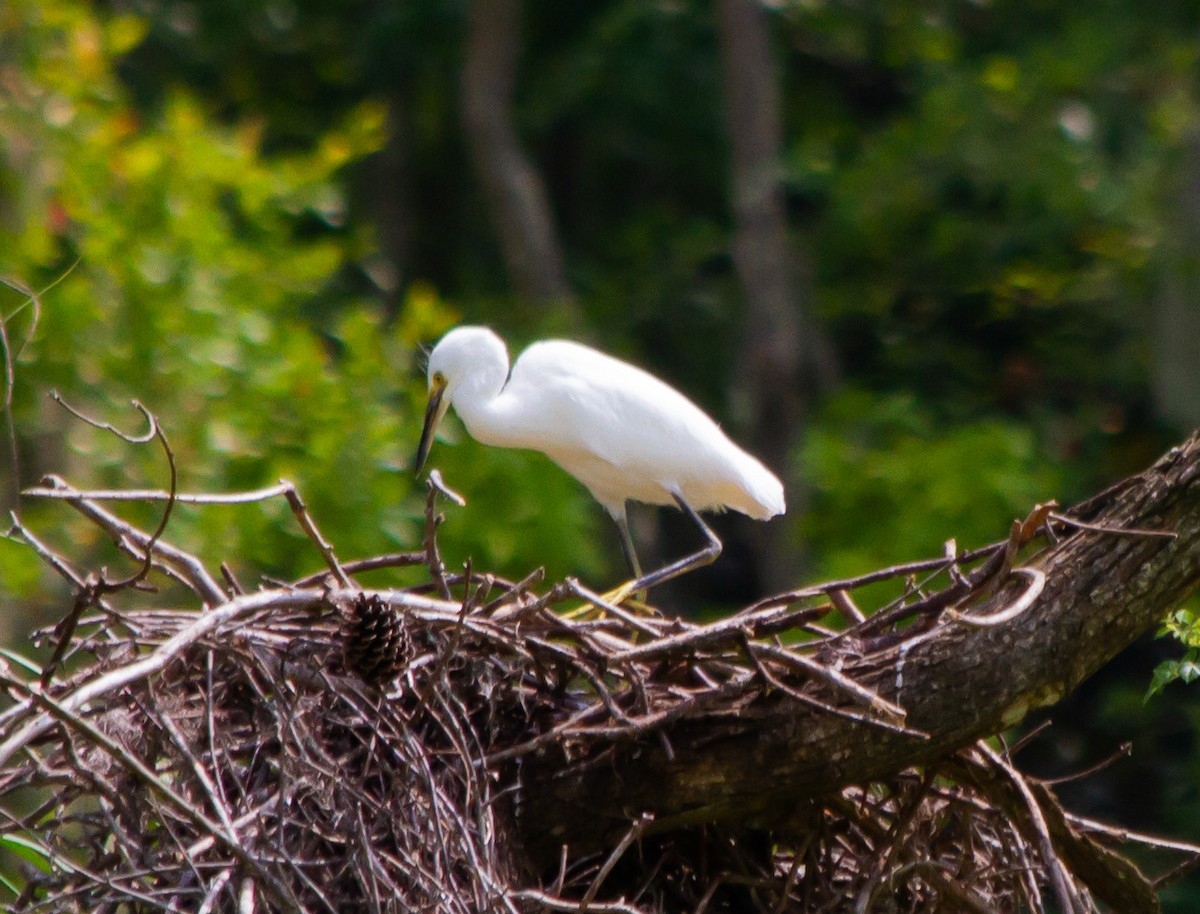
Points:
(465, 358)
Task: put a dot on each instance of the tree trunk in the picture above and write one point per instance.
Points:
(391, 202)
(1177, 315)
(515, 194)
(782, 352)
(957, 683)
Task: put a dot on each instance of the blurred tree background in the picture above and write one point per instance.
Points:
(934, 262)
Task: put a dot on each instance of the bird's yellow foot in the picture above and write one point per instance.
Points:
(619, 595)
(615, 597)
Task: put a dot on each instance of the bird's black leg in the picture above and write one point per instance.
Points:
(627, 544)
(705, 556)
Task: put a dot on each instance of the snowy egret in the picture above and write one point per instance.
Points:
(617, 429)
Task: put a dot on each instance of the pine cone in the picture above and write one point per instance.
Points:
(374, 642)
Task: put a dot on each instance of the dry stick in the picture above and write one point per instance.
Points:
(206, 782)
(898, 611)
(845, 604)
(789, 883)
(1037, 581)
(154, 432)
(1125, 750)
(937, 876)
(61, 490)
(695, 703)
(235, 586)
(210, 721)
(127, 891)
(470, 601)
(570, 727)
(699, 636)
(192, 571)
(45, 553)
(10, 428)
(714, 886)
(562, 871)
(990, 583)
(1026, 739)
(183, 498)
(97, 586)
(540, 606)
(246, 896)
(59, 712)
(837, 680)
(433, 520)
(1125, 835)
(980, 583)
(177, 564)
(812, 702)
(215, 888)
(515, 592)
(874, 577)
(897, 832)
(553, 735)
(595, 680)
(154, 662)
(635, 831)
(310, 527)
(951, 552)
(374, 563)
(598, 644)
(552, 903)
(1117, 531)
(1067, 897)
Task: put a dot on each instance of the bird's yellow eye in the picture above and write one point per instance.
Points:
(438, 380)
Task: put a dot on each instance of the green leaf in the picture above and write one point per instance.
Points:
(29, 850)
(1164, 674)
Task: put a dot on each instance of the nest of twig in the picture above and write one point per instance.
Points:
(320, 747)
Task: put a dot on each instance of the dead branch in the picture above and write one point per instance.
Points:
(956, 682)
(318, 745)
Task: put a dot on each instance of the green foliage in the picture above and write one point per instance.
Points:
(28, 850)
(1184, 626)
(890, 481)
(202, 275)
(982, 197)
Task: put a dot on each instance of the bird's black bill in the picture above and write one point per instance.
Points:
(433, 415)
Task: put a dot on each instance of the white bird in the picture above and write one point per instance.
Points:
(619, 430)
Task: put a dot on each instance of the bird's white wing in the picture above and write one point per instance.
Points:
(586, 399)
(626, 434)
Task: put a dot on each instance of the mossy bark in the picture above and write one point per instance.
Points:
(754, 766)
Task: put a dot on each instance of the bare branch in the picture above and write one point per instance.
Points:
(477, 753)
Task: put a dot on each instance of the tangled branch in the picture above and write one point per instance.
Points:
(322, 746)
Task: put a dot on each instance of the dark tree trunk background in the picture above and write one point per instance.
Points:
(957, 682)
(783, 353)
(1177, 314)
(392, 203)
(516, 196)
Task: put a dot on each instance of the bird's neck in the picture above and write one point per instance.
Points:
(479, 404)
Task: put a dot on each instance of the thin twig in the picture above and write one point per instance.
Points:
(310, 527)
(155, 661)
(433, 520)
(183, 498)
(635, 831)
(1116, 531)
(189, 569)
(1037, 581)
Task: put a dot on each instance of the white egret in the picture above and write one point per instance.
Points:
(617, 429)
